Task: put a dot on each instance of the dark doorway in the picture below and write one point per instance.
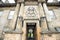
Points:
(31, 31)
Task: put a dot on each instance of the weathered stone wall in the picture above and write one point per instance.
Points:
(12, 37)
(16, 23)
(50, 37)
(4, 17)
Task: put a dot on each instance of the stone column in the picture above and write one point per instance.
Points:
(46, 10)
(19, 27)
(45, 7)
(43, 19)
(41, 11)
(46, 13)
(44, 25)
(20, 18)
(19, 21)
(38, 31)
(21, 13)
(13, 22)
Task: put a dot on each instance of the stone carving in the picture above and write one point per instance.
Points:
(31, 12)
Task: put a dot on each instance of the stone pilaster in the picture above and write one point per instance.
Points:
(19, 21)
(44, 25)
(45, 7)
(46, 10)
(19, 27)
(13, 22)
(41, 11)
(21, 13)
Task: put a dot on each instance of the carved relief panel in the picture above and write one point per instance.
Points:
(31, 11)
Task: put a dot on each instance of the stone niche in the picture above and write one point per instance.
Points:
(12, 37)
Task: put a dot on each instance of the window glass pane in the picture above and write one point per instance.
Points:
(1, 12)
(51, 15)
(11, 15)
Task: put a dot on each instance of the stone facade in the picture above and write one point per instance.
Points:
(47, 19)
(12, 37)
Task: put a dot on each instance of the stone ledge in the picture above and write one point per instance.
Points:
(13, 32)
(49, 32)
